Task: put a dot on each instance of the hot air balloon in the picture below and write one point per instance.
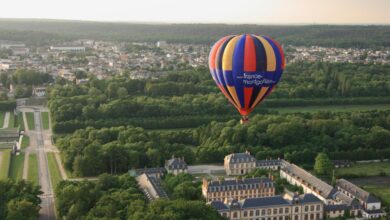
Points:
(246, 68)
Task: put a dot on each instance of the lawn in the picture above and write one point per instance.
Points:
(333, 108)
(25, 141)
(2, 114)
(30, 120)
(365, 169)
(33, 169)
(20, 121)
(5, 163)
(55, 174)
(11, 122)
(16, 168)
(45, 120)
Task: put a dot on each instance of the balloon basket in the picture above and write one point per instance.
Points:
(244, 120)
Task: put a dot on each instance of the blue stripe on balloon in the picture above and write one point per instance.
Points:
(238, 68)
(218, 66)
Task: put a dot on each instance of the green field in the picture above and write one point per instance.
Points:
(45, 120)
(16, 168)
(25, 141)
(364, 169)
(333, 108)
(20, 121)
(30, 120)
(5, 163)
(33, 169)
(11, 122)
(55, 174)
(2, 114)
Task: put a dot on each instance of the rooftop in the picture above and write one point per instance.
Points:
(311, 181)
(356, 191)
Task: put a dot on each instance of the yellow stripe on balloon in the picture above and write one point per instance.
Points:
(270, 54)
(227, 57)
(260, 96)
(233, 93)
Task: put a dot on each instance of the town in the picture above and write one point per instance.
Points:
(149, 60)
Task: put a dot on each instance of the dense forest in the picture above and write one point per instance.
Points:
(19, 200)
(118, 197)
(190, 98)
(40, 32)
(296, 137)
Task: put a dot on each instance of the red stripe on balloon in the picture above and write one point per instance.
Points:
(247, 96)
(249, 55)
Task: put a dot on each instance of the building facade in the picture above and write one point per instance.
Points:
(304, 207)
(176, 165)
(239, 163)
(237, 189)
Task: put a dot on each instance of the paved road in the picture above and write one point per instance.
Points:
(206, 169)
(39, 143)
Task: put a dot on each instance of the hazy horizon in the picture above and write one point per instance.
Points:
(277, 12)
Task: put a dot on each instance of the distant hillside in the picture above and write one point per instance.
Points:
(44, 31)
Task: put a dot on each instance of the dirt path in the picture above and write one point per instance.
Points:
(6, 120)
(61, 168)
(25, 121)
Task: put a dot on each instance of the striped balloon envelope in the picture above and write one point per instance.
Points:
(246, 68)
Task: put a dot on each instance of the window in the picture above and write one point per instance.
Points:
(306, 208)
(269, 211)
(280, 210)
(257, 212)
(251, 213)
(280, 217)
(275, 218)
(263, 212)
(296, 217)
(317, 216)
(318, 207)
(296, 209)
(312, 208)
(286, 210)
(312, 216)
(275, 211)
(306, 217)
(286, 217)
(245, 213)
(234, 214)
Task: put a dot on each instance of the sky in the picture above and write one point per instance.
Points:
(205, 11)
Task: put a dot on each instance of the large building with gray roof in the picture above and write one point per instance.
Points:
(310, 183)
(303, 207)
(237, 189)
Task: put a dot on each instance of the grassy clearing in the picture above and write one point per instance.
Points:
(5, 163)
(2, 114)
(365, 169)
(45, 120)
(20, 121)
(25, 141)
(33, 169)
(16, 168)
(30, 120)
(11, 122)
(333, 108)
(55, 174)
